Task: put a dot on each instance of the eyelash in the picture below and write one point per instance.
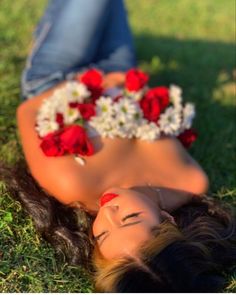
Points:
(136, 214)
(97, 238)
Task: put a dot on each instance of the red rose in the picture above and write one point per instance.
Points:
(117, 98)
(151, 109)
(73, 105)
(159, 93)
(60, 119)
(74, 140)
(95, 93)
(51, 145)
(135, 80)
(92, 79)
(87, 110)
(188, 137)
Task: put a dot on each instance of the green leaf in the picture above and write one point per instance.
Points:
(8, 217)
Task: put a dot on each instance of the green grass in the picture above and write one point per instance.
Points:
(189, 43)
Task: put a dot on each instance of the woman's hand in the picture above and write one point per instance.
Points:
(114, 79)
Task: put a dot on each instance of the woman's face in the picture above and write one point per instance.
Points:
(124, 221)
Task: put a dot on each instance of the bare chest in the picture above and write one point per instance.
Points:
(118, 162)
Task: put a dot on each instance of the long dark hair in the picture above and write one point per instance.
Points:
(189, 257)
(67, 228)
(193, 263)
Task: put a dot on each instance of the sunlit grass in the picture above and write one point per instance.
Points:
(189, 43)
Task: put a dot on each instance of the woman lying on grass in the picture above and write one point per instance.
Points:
(137, 203)
(134, 200)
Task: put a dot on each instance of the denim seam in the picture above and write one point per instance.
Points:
(29, 86)
(38, 42)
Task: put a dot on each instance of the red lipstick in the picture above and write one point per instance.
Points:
(107, 198)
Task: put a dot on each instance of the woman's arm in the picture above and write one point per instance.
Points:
(57, 175)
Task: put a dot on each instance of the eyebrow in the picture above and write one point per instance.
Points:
(124, 225)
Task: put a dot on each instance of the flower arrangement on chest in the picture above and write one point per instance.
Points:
(82, 109)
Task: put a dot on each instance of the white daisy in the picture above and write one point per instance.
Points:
(103, 124)
(125, 129)
(76, 92)
(104, 106)
(107, 130)
(137, 95)
(123, 118)
(45, 120)
(71, 114)
(148, 131)
(170, 121)
(46, 127)
(47, 110)
(60, 95)
(175, 93)
(188, 115)
(125, 109)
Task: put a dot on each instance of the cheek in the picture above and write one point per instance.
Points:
(95, 226)
(99, 224)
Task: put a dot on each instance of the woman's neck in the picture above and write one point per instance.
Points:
(168, 199)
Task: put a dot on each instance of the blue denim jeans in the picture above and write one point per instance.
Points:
(74, 35)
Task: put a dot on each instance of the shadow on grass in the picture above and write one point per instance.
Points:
(205, 71)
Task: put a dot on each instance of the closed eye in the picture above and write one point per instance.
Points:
(135, 214)
(98, 237)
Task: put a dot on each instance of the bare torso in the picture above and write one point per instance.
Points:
(128, 163)
(116, 162)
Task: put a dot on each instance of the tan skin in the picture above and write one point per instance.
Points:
(130, 219)
(117, 163)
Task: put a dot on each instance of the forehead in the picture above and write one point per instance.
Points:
(124, 241)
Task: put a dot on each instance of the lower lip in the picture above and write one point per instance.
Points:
(107, 198)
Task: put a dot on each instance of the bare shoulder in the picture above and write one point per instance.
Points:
(169, 146)
(172, 166)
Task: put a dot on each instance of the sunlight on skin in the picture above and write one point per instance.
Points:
(125, 222)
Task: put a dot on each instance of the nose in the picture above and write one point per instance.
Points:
(111, 214)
